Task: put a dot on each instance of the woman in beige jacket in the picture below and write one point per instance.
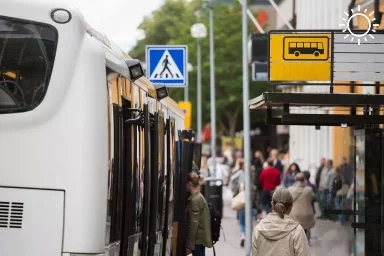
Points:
(279, 234)
(302, 210)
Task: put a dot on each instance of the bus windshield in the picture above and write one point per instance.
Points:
(27, 53)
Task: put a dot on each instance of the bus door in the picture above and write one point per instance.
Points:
(131, 161)
(183, 166)
(123, 232)
(169, 178)
(146, 212)
(116, 186)
(368, 192)
(157, 178)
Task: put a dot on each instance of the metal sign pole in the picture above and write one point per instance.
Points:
(253, 19)
(186, 94)
(212, 88)
(247, 144)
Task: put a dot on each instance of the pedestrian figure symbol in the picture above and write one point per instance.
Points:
(166, 68)
(165, 64)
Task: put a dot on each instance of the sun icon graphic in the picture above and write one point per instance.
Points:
(364, 15)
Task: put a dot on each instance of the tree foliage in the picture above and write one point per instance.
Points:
(170, 25)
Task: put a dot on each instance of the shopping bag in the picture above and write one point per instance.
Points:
(238, 202)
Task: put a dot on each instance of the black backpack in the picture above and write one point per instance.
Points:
(215, 224)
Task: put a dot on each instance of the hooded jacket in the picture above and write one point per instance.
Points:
(283, 237)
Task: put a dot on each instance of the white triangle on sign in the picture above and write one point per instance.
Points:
(166, 69)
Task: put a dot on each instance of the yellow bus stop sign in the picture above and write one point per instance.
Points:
(186, 106)
(300, 57)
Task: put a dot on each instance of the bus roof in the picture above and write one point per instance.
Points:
(114, 55)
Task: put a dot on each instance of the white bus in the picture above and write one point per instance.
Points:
(87, 144)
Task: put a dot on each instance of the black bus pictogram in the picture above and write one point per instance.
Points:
(297, 48)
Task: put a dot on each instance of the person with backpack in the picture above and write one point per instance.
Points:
(199, 234)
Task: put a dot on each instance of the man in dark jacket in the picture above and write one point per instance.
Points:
(346, 171)
(276, 162)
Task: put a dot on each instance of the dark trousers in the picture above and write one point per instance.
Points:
(199, 250)
(308, 234)
(265, 200)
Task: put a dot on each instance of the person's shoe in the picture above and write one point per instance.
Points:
(242, 242)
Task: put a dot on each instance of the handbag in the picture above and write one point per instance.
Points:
(238, 202)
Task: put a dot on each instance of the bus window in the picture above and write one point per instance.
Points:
(292, 45)
(314, 45)
(299, 45)
(26, 62)
(320, 46)
(307, 45)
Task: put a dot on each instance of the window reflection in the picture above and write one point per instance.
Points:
(26, 61)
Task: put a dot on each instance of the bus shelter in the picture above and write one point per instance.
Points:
(325, 57)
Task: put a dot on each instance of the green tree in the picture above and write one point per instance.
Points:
(171, 24)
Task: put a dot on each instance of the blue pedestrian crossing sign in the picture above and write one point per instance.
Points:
(167, 64)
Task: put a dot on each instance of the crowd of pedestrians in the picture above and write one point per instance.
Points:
(334, 188)
(283, 195)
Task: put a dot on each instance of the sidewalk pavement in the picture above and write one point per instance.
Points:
(327, 238)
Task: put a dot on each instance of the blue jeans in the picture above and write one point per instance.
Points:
(241, 215)
(242, 220)
(338, 202)
(199, 250)
(254, 214)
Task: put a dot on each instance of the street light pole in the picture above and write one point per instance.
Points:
(198, 31)
(247, 144)
(212, 87)
(199, 121)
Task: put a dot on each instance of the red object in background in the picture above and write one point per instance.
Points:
(207, 133)
(262, 18)
(269, 178)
